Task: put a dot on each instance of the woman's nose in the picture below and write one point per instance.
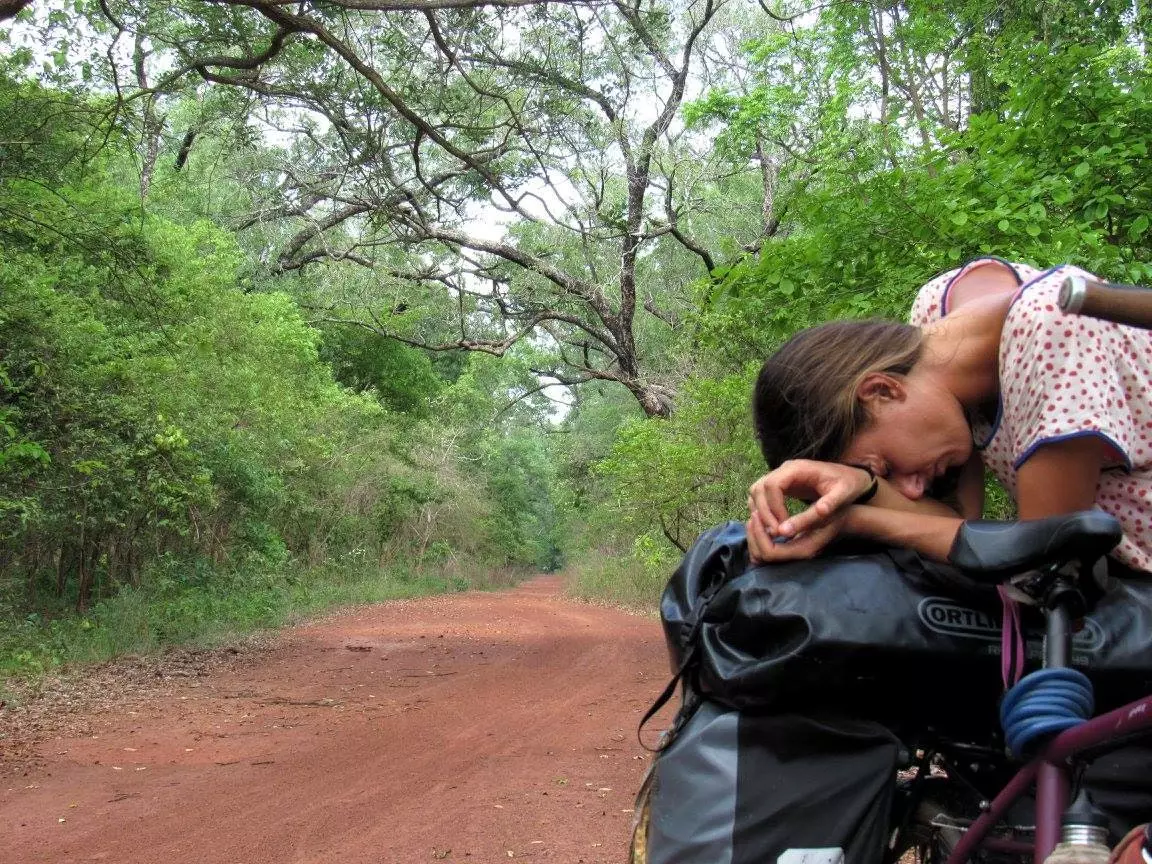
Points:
(909, 485)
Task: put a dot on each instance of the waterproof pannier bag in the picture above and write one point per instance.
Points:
(881, 634)
(800, 680)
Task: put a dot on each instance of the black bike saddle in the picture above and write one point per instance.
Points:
(992, 551)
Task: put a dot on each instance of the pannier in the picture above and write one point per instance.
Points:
(803, 684)
(881, 634)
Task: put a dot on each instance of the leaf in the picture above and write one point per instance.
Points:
(960, 218)
(1082, 169)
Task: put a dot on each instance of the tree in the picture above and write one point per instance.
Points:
(154, 416)
(11, 8)
(1056, 171)
(890, 169)
(413, 123)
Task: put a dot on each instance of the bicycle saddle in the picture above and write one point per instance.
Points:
(991, 551)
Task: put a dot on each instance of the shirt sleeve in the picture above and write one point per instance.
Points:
(926, 307)
(1061, 376)
(931, 300)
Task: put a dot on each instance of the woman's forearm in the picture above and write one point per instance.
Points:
(968, 502)
(930, 534)
(889, 498)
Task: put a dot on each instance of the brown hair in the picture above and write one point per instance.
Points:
(805, 406)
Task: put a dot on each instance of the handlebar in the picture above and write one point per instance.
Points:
(1123, 304)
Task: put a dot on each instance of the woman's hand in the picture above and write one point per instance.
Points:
(830, 486)
(763, 549)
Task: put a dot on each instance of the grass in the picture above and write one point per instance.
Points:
(619, 580)
(190, 606)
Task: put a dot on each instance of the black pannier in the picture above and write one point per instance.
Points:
(881, 634)
(805, 684)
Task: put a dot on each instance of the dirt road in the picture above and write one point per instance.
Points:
(477, 727)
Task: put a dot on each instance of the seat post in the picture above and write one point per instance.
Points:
(1052, 778)
(1057, 636)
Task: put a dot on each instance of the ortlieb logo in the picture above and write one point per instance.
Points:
(1091, 638)
(950, 618)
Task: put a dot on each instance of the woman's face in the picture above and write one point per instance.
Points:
(915, 434)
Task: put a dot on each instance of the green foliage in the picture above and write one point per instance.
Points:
(679, 476)
(1050, 168)
(632, 577)
(524, 519)
(197, 411)
(507, 463)
(1059, 176)
(403, 377)
(663, 483)
(181, 456)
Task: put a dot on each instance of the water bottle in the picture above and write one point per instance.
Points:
(1083, 835)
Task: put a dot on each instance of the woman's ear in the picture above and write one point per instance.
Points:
(876, 388)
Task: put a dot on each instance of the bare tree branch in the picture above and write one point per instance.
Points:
(484, 112)
(532, 391)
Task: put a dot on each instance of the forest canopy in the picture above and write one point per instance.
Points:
(445, 288)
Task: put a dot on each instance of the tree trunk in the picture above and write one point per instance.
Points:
(87, 570)
(10, 8)
(152, 124)
(62, 570)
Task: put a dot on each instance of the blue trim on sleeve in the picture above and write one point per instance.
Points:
(1020, 291)
(1082, 433)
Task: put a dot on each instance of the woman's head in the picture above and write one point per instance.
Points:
(845, 392)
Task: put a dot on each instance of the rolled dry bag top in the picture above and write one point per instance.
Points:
(879, 632)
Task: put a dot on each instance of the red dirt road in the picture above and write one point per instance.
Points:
(478, 727)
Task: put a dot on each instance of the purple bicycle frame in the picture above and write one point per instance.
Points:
(1050, 771)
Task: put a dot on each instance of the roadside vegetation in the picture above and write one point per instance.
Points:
(330, 303)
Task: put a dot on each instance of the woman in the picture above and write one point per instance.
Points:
(875, 422)
(989, 373)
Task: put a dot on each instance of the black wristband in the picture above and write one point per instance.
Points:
(873, 487)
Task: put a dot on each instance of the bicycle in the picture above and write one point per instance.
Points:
(1061, 553)
(950, 816)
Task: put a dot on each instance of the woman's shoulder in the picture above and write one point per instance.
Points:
(1050, 356)
(1037, 297)
(934, 298)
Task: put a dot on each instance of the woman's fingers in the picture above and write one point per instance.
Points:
(838, 490)
(811, 518)
(809, 545)
(758, 540)
(801, 547)
(766, 497)
(834, 486)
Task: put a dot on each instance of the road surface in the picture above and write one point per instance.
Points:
(476, 727)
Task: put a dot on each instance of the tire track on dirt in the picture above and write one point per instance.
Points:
(457, 728)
